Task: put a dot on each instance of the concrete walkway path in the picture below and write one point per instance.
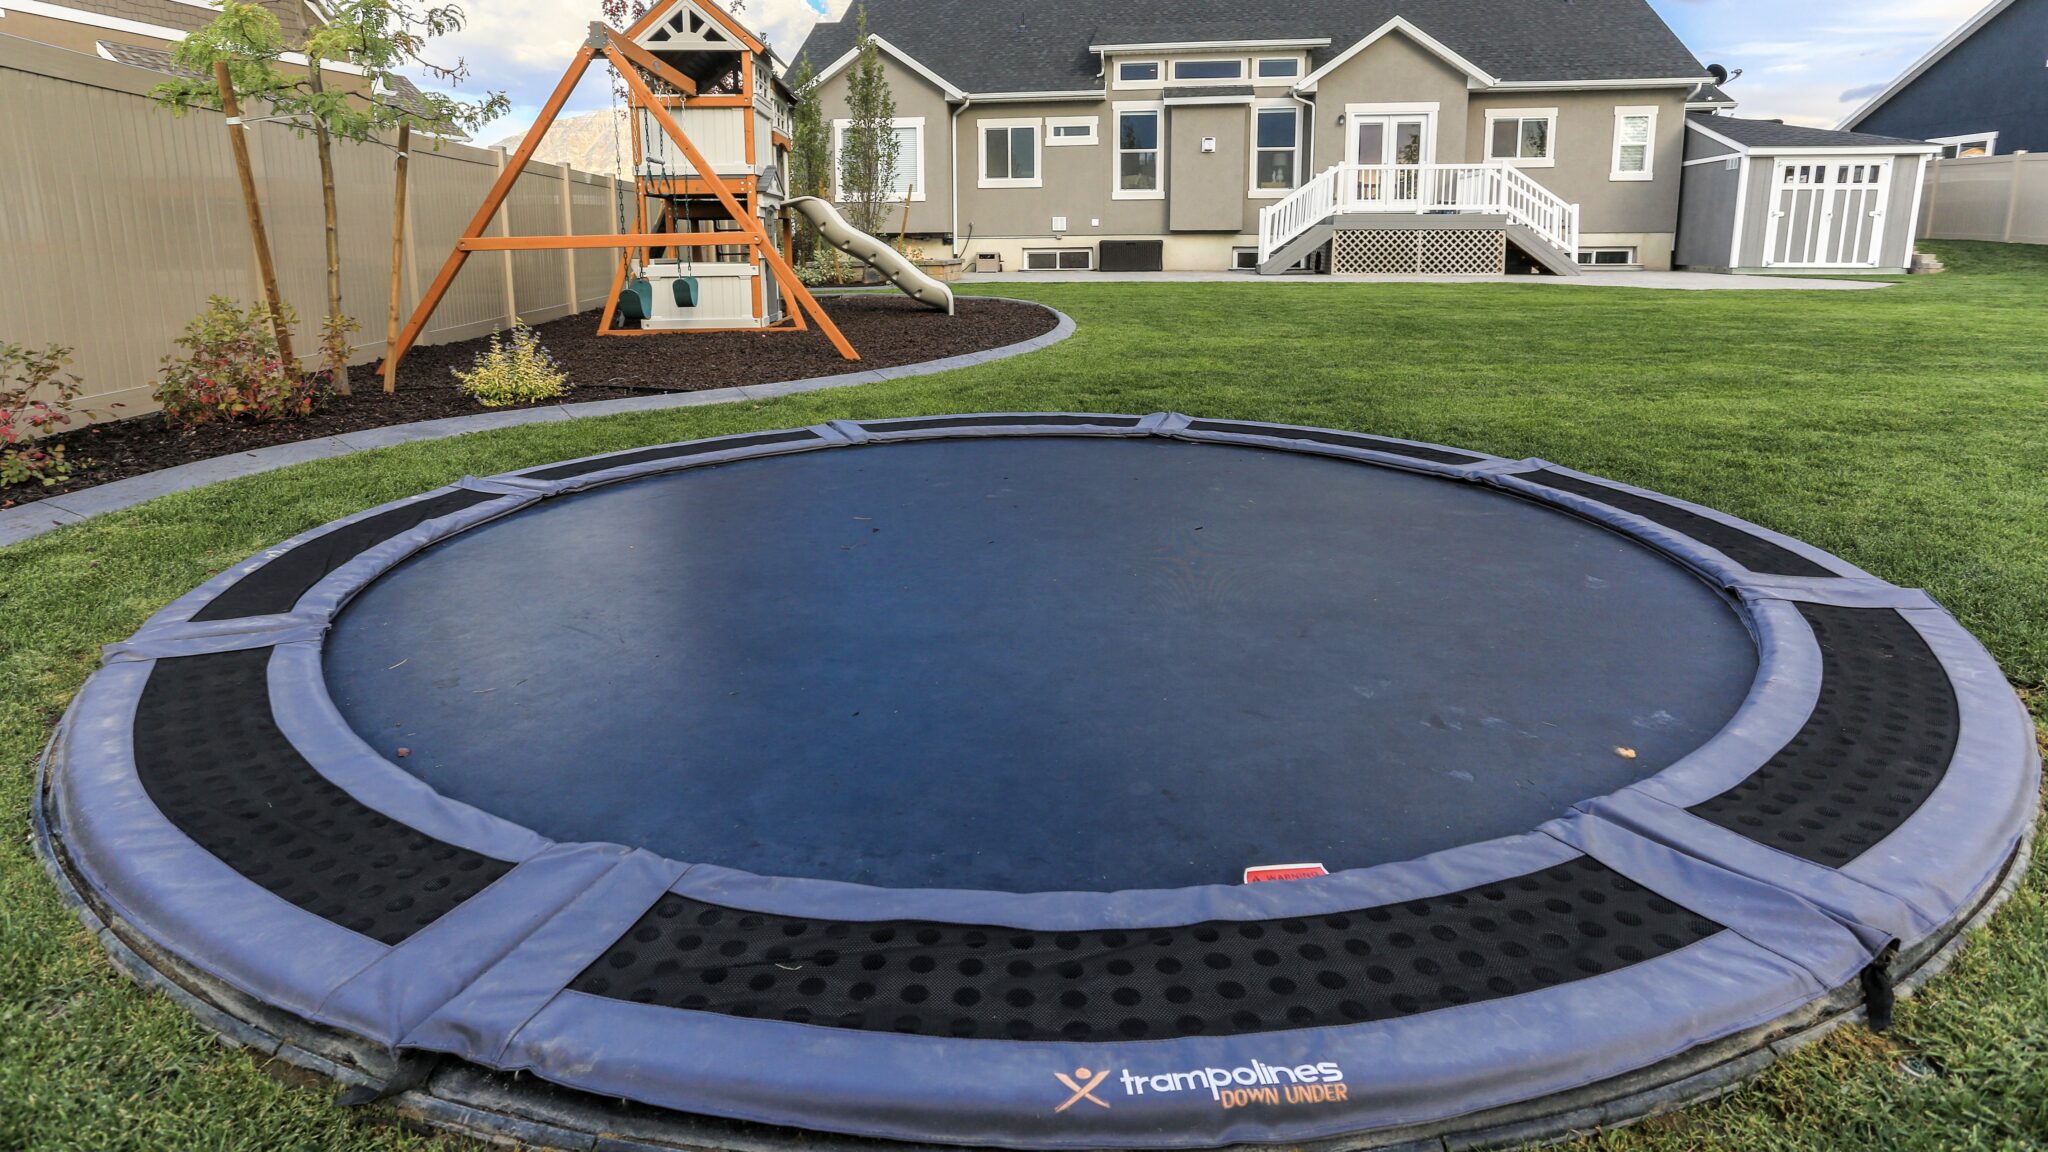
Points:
(1674, 281)
(30, 520)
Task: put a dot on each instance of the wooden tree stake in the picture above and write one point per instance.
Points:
(257, 236)
(397, 256)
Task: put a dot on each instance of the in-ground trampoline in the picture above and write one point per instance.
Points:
(908, 779)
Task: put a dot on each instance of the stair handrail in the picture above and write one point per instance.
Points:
(1297, 212)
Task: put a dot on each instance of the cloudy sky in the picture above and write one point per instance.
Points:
(1807, 61)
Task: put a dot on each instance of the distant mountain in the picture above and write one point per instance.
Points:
(585, 142)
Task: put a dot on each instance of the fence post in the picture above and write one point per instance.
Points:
(2012, 195)
(1926, 222)
(569, 229)
(505, 229)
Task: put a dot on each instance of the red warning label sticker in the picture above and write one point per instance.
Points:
(1262, 872)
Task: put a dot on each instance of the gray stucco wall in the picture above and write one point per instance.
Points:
(915, 97)
(1205, 191)
(1076, 181)
(1584, 151)
(1394, 71)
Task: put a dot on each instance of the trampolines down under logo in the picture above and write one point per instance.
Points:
(1252, 1084)
(1083, 1085)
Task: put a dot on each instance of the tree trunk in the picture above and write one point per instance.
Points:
(257, 236)
(326, 149)
(397, 255)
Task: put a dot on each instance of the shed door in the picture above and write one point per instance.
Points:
(1827, 211)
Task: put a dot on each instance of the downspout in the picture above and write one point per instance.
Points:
(953, 158)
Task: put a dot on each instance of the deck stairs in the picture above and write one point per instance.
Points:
(1420, 196)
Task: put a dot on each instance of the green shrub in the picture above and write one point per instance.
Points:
(514, 371)
(232, 370)
(35, 400)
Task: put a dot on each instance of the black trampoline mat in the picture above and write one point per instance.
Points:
(1037, 664)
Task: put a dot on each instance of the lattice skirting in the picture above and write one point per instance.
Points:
(1419, 251)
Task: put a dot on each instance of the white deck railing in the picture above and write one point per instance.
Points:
(1421, 189)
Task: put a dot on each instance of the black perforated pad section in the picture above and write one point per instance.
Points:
(277, 586)
(1342, 439)
(1047, 421)
(1564, 923)
(1747, 549)
(1878, 742)
(212, 759)
(667, 452)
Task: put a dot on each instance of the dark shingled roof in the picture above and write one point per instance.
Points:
(1195, 92)
(1709, 92)
(1778, 134)
(1042, 45)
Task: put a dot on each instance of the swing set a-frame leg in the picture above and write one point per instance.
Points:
(487, 210)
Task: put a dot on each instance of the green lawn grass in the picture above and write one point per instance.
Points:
(1905, 429)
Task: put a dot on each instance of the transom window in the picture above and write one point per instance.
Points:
(1279, 68)
(1276, 159)
(1635, 131)
(1524, 137)
(1208, 69)
(1067, 131)
(1009, 153)
(1137, 72)
(1137, 153)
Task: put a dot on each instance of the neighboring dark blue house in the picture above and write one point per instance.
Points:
(1982, 91)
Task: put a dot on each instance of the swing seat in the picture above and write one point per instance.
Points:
(636, 301)
(686, 291)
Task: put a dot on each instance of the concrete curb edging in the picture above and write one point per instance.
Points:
(32, 520)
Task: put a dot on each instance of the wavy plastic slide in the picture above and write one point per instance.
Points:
(876, 254)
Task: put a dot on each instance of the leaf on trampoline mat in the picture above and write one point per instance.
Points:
(1625, 753)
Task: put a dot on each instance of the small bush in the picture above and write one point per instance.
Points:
(336, 343)
(232, 370)
(514, 371)
(35, 400)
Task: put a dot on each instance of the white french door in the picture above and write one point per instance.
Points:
(1827, 211)
(1391, 149)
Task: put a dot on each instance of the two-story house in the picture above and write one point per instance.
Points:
(1438, 137)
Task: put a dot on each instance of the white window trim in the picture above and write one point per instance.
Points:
(1252, 174)
(1256, 78)
(981, 131)
(1116, 76)
(1243, 70)
(917, 181)
(1614, 170)
(1092, 123)
(1493, 114)
(1990, 140)
(1428, 111)
(1116, 151)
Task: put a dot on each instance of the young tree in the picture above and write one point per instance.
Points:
(377, 37)
(810, 152)
(868, 149)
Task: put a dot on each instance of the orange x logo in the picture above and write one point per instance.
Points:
(1080, 1090)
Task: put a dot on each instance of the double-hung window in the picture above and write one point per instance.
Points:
(1635, 135)
(1140, 172)
(1276, 156)
(1009, 154)
(907, 181)
(1523, 137)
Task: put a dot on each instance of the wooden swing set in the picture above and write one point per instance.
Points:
(629, 60)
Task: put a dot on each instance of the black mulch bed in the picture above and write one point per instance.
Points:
(887, 331)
